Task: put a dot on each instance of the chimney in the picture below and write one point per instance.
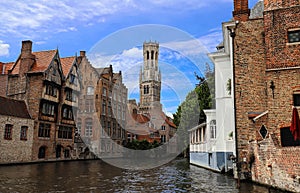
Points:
(241, 10)
(27, 58)
(82, 53)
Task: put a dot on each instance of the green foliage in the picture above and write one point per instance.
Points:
(141, 145)
(190, 112)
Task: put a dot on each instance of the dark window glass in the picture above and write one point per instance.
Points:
(8, 131)
(296, 98)
(294, 36)
(287, 138)
(44, 130)
(23, 133)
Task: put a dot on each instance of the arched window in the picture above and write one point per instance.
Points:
(147, 55)
(213, 129)
(152, 55)
(42, 152)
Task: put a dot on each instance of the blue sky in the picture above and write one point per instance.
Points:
(75, 25)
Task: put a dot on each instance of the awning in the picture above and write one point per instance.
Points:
(295, 125)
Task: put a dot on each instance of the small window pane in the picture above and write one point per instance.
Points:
(294, 36)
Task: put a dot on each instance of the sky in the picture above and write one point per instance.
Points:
(113, 32)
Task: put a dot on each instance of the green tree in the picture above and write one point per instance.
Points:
(190, 112)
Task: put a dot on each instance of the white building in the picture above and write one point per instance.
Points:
(212, 144)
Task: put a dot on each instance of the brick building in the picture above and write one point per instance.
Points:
(16, 133)
(48, 85)
(266, 88)
(102, 108)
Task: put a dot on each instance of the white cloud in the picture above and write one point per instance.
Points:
(22, 17)
(4, 49)
(25, 16)
(211, 40)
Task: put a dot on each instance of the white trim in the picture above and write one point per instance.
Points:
(284, 68)
(259, 116)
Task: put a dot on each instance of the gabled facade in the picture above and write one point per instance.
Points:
(38, 79)
(102, 109)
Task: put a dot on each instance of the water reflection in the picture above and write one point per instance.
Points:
(97, 176)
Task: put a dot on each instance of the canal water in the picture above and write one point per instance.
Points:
(97, 176)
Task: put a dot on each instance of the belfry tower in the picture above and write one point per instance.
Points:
(150, 79)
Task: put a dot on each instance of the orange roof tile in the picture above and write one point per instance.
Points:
(170, 123)
(66, 64)
(4, 67)
(140, 118)
(8, 66)
(43, 60)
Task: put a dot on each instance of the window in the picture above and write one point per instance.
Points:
(103, 107)
(90, 90)
(89, 105)
(44, 130)
(70, 96)
(287, 138)
(146, 89)
(163, 138)
(104, 91)
(42, 152)
(48, 109)
(163, 127)
(294, 36)
(296, 98)
(67, 113)
(65, 132)
(23, 133)
(73, 79)
(78, 127)
(213, 129)
(8, 131)
(51, 90)
(109, 109)
(88, 127)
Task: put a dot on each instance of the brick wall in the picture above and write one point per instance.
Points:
(276, 166)
(263, 54)
(16, 150)
(276, 4)
(250, 85)
(280, 53)
(3, 85)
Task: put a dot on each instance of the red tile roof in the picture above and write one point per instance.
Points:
(140, 118)
(66, 64)
(4, 67)
(11, 107)
(170, 123)
(42, 62)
